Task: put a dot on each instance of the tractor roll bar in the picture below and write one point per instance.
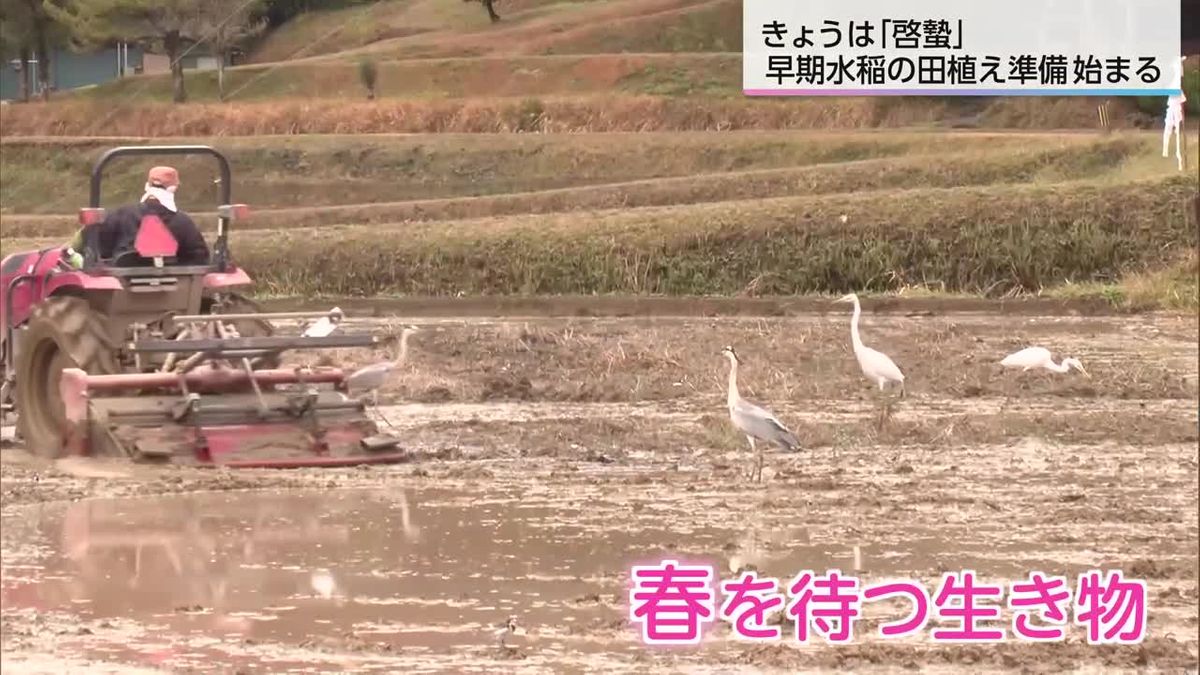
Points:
(221, 245)
(137, 150)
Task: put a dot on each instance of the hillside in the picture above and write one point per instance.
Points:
(433, 28)
(581, 53)
(45, 176)
(672, 213)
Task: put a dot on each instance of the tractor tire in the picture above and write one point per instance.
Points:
(62, 332)
(233, 303)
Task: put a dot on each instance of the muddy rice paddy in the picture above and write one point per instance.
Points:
(551, 454)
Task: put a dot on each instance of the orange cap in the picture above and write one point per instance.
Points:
(163, 176)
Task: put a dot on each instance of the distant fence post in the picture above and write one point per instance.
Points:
(1102, 110)
(1183, 145)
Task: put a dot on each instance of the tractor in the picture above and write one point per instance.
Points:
(143, 358)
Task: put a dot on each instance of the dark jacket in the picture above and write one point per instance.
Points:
(118, 231)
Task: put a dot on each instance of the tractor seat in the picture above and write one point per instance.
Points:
(135, 259)
(153, 246)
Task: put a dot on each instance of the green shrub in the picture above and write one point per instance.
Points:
(368, 72)
(1156, 105)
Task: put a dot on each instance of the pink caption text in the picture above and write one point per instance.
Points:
(673, 602)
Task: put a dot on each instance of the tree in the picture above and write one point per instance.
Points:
(173, 23)
(490, 10)
(279, 12)
(368, 73)
(226, 24)
(27, 28)
(46, 34)
(15, 43)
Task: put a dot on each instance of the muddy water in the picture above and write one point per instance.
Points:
(205, 575)
(534, 500)
(420, 578)
(424, 574)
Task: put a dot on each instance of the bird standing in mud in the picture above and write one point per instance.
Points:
(1040, 357)
(875, 365)
(506, 629)
(371, 378)
(756, 422)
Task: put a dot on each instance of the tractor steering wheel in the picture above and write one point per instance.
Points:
(130, 259)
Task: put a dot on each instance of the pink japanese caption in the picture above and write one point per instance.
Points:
(674, 602)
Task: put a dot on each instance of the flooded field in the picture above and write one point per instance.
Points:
(549, 455)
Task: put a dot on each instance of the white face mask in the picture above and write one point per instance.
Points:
(164, 196)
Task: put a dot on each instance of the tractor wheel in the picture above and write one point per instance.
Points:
(232, 303)
(62, 333)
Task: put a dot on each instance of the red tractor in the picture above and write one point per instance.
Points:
(140, 357)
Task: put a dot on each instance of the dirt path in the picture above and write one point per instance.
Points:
(555, 452)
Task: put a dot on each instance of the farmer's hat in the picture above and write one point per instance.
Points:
(161, 184)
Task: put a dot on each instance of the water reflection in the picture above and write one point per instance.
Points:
(202, 556)
(286, 566)
(435, 572)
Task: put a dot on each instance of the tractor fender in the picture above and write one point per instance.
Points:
(220, 280)
(29, 271)
(62, 283)
(82, 281)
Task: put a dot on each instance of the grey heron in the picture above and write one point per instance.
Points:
(371, 378)
(756, 422)
(506, 629)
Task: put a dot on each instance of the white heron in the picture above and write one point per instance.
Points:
(756, 422)
(326, 325)
(875, 365)
(411, 532)
(323, 583)
(371, 378)
(1040, 357)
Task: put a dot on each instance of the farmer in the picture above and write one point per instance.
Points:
(117, 232)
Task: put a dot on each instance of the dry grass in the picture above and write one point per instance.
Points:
(493, 115)
(1175, 286)
(580, 438)
(432, 28)
(976, 240)
(45, 175)
(980, 240)
(588, 361)
(428, 27)
(543, 214)
(710, 75)
(995, 166)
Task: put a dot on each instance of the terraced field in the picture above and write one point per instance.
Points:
(674, 213)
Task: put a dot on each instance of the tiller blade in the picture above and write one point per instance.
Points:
(242, 419)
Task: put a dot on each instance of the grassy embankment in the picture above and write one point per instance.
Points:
(590, 170)
(999, 214)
